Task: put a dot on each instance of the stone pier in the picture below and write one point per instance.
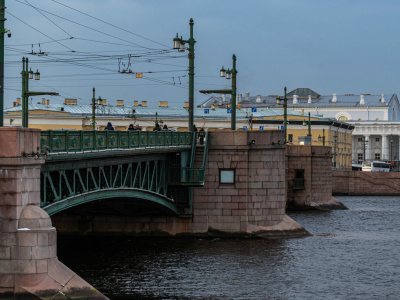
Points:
(29, 268)
(309, 178)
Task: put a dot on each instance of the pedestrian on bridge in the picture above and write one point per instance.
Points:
(109, 126)
(131, 127)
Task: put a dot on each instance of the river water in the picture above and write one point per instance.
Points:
(353, 254)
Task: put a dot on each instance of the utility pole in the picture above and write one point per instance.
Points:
(26, 75)
(93, 111)
(179, 44)
(2, 19)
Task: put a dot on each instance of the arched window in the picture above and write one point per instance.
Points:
(343, 118)
(377, 119)
(359, 119)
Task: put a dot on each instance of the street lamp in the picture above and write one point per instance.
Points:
(285, 122)
(334, 153)
(305, 123)
(94, 105)
(322, 138)
(179, 44)
(365, 144)
(391, 143)
(26, 75)
(228, 74)
(2, 32)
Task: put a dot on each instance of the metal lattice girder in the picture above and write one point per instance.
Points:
(65, 180)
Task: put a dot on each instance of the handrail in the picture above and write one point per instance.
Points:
(194, 140)
(205, 152)
(53, 141)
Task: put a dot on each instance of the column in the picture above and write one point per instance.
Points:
(367, 155)
(384, 151)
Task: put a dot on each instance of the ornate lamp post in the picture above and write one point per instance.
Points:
(179, 44)
(285, 122)
(334, 153)
(94, 105)
(228, 74)
(305, 123)
(26, 75)
(2, 32)
(322, 138)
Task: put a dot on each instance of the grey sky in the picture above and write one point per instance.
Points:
(328, 46)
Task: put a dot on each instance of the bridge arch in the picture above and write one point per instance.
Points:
(134, 194)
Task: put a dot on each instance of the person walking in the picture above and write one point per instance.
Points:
(157, 127)
(109, 126)
(202, 134)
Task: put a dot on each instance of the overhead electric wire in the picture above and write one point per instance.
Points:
(48, 19)
(88, 27)
(123, 29)
(8, 12)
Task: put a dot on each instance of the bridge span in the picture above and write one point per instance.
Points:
(131, 183)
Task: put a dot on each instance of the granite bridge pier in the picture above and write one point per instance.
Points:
(236, 183)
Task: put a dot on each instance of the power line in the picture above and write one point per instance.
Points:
(87, 27)
(123, 29)
(38, 30)
(48, 19)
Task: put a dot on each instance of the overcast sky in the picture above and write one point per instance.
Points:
(349, 46)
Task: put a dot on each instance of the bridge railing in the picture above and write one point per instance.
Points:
(53, 141)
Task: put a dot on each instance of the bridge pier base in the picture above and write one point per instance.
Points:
(29, 268)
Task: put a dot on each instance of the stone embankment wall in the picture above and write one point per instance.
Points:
(314, 163)
(365, 183)
(29, 268)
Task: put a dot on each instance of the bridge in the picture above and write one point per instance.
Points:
(133, 183)
(124, 172)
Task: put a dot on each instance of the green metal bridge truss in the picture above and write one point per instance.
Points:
(150, 167)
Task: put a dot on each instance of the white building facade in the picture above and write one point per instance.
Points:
(376, 117)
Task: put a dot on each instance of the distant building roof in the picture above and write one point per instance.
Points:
(303, 93)
(269, 102)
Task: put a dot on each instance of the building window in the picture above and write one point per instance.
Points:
(377, 140)
(343, 118)
(298, 182)
(360, 157)
(377, 119)
(290, 138)
(377, 156)
(359, 119)
(226, 176)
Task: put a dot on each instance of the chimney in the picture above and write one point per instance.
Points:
(383, 98)
(258, 99)
(47, 103)
(70, 101)
(240, 97)
(334, 98)
(162, 103)
(144, 103)
(362, 100)
(309, 99)
(186, 105)
(247, 96)
(295, 99)
(18, 101)
(135, 103)
(43, 101)
(120, 102)
(103, 102)
(14, 104)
